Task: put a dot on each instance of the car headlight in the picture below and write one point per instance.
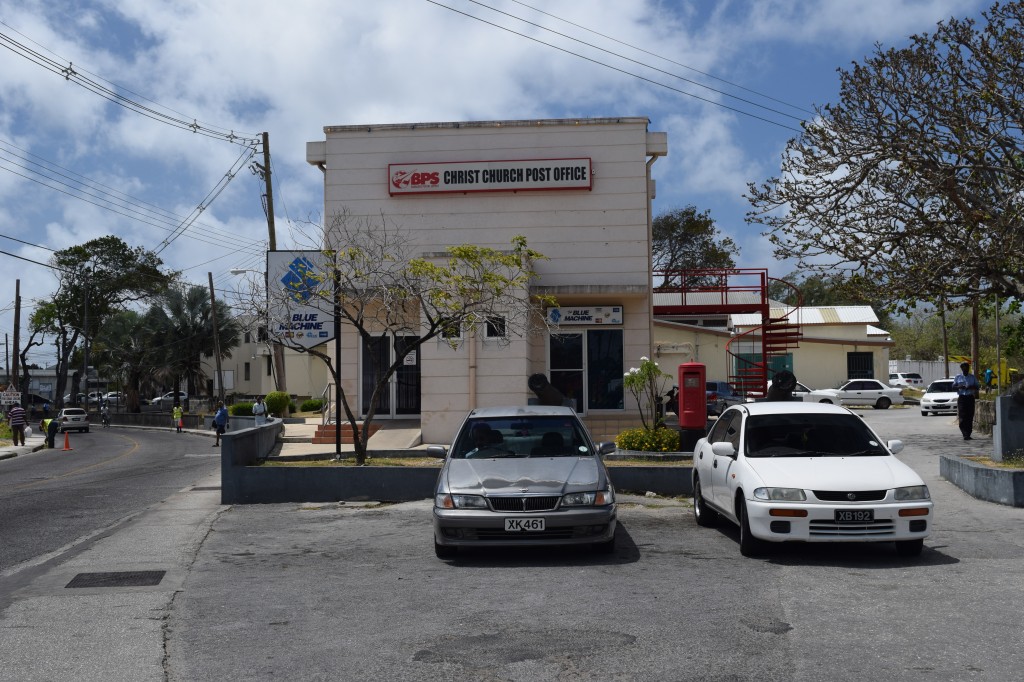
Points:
(460, 502)
(600, 498)
(780, 494)
(913, 492)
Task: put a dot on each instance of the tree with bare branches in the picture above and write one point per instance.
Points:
(374, 276)
(914, 182)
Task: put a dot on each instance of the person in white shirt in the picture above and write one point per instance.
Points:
(259, 410)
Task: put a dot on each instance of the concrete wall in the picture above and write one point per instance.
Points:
(1005, 486)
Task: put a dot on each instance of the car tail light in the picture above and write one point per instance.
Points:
(712, 397)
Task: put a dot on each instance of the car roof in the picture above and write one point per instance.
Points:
(522, 411)
(790, 407)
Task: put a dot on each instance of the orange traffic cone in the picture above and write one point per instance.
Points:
(67, 442)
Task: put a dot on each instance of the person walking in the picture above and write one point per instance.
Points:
(176, 415)
(220, 422)
(966, 387)
(259, 410)
(17, 419)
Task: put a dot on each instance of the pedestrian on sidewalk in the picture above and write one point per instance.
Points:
(966, 387)
(16, 418)
(176, 415)
(220, 421)
(259, 410)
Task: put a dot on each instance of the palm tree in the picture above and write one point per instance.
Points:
(181, 324)
(123, 352)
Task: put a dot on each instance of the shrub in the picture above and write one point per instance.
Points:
(312, 405)
(240, 410)
(647, 383)
(649, 440)
(277, 403)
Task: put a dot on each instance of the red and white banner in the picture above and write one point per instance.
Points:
(489, 176)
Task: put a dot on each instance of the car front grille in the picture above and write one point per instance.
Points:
(525, 503)
(832, 529)
(849, 495)
(562, 533)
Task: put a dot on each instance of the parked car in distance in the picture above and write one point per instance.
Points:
(167, 399)
(73, 419)
(114, 397)
(905, 379)
(720, 395)
(523, 476)
(940, 397)
(798, 392)
(95, 397)
(859, 392)
(805, 472)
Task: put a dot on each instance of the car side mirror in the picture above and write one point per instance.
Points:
(438, 451)
(895, 446)
(723, 448)
(605, 448)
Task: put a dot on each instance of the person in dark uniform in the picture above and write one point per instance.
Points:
(966, 386)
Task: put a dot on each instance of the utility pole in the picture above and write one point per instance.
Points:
(279, 371)
(216, 340)
(13, 376)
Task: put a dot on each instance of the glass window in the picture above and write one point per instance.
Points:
(495, 328)
(604, 369)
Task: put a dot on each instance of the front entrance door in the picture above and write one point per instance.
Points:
(401, 397)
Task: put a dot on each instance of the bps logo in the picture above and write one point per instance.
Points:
(406, 180)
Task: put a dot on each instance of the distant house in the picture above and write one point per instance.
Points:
(838, 343)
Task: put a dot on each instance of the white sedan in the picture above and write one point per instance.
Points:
(859, 392)
(802, 472)
(940, 397)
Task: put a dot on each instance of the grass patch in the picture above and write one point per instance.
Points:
(1015, 462)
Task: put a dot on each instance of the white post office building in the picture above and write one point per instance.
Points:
(579, 190)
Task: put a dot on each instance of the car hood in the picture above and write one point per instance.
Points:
(552, 476)
(834, 473)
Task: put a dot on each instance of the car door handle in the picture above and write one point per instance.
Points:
(714, 465)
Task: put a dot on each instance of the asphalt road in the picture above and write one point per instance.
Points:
(350, 591)
(51, 497)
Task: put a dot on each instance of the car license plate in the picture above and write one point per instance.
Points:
(524, 525)
(855, 515)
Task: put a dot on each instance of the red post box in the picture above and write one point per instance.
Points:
(693, 402)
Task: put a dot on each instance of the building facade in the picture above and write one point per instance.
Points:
(578, 190)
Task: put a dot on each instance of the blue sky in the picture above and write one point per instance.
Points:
(236, 66)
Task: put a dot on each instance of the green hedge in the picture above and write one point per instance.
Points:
(312, 405)
(240, 410)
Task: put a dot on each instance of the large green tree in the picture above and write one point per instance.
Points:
(95, 280)
(914, 180)
(685, 239)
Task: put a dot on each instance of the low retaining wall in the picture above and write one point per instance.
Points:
(243, 483)
(993, 484)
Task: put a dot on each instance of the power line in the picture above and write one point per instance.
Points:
(75, 75)
(663, 58)
(624, 71)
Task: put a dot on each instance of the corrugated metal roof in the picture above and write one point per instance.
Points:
(850, 314)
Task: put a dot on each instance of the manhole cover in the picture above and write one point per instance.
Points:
(207, 487)
(117, 579)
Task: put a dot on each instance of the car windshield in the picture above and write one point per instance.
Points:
(809, 435)
(521, 436)
(940, 387)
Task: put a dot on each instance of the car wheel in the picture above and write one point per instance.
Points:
(85, 430)
(444, 551)
(826, 401)
(705, 517)
(924, 413)
(883, 404)
(909, 548)
(749, 545)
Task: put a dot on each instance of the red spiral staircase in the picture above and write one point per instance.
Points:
(729, 292)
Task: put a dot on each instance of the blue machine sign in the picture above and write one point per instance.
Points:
(299, 314)
(611, 314)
